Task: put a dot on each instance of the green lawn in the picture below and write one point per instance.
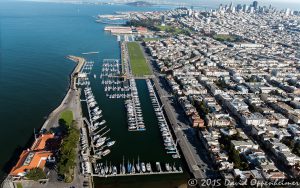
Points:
(19, 185)
(173, 30)
(229, 38)
(67, 117)
(138, 62)
(150, 39)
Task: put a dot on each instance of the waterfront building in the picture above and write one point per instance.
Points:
(34, 157)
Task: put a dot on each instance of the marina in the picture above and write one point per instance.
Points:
(170, 145)
(94, 140)
(127, 38)
(96, 143)
(115, 86)
(97, 130)
(83, 79)
(118, 87)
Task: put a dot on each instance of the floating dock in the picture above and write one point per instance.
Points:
(138, 174)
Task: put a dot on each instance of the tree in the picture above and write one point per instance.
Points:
(236, 158)
(203, 107)
(36, 174)
(296, 149)
(67, 153)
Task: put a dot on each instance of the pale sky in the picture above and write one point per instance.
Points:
(281, 4)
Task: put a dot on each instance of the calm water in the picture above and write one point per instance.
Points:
(34, 40)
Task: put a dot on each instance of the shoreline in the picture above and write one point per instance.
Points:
(71, 86)
(51, 121)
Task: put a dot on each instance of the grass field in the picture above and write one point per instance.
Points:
(19, 185)
(173, 30)
(229, 38)
(67, 116)
(138, 62)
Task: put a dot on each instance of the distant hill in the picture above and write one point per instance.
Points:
(139, 4)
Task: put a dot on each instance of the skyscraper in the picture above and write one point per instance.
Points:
(245, 8)
(255, 5)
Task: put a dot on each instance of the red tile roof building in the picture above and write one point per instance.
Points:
(34, 157)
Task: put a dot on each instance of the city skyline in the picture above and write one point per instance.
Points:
(280, 4)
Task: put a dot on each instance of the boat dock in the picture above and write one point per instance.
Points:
(170, 144)
(134, 111)
(118, 88)
(137, 174)
(111, 77)
(83, 79)
(99, 142)
(134, 169)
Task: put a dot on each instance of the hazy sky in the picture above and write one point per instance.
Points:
(281, 4)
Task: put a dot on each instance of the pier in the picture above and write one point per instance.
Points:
(164, 127)
(74, 76)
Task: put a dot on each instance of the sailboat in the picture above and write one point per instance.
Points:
(123, 167)
(110, 168)
(115, 171)
(133, 168)
(128, 166)
(106, 168)
(143, 166)
(138, 165)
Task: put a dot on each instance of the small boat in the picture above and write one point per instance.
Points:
(175, 156)
(167, 166)
(106, 168)
(102, 122)
(105, 152)
(158, 167)
(123, 167)
(180, 169)
(133, 168)
(102, 171)
(95, 118)
(110, 169)
(129, 167)
(167, 139)
(174, 168)
(138, 165)
(110, 143)
(170, 148)
(148, 167)
(99, 144)
(114, 171)
(168, 144)
(143, 167)
(165, 133)
(102, 139)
